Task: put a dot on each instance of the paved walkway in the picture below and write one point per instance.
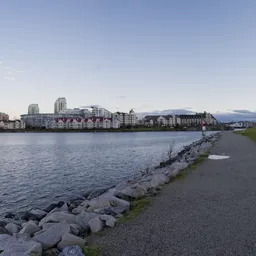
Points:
(210, 212)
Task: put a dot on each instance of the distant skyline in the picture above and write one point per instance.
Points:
(142, 54)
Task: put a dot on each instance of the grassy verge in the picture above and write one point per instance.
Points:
(199, 160)
(137, 207)
(181, 175)
(92, 250)
(251, 133)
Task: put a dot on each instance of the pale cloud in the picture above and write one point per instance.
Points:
(121, 97)
(10, 78)
(97, 69)
(9, 73)
(142, 107)
(14, 70)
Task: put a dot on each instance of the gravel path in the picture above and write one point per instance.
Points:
(210, 212)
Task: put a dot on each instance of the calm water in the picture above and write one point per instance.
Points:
(39, 168)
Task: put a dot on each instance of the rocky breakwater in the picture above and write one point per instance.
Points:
(62, 229)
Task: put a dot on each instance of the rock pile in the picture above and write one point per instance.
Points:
(61, 229)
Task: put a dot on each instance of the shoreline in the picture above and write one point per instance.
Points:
(101, 208)
(155, 129)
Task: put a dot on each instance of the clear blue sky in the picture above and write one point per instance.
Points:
(141, 54)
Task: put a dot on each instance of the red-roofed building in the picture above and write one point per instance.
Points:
(83, 123)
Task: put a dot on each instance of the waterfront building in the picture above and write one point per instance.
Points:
(101, 112)
(183, 120)
(127, 119)
(76, 118)
(77, 111)
(60, 105)
(4, 117)
(198, 119)
(33, 109)
(162, 120)
(83, 123)
(41, 120)
(12, 125)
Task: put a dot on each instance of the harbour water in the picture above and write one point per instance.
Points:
(37, 169)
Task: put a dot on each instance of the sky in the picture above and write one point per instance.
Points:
(148, 55)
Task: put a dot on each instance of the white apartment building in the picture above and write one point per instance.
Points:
(127, 119)
(198, 119)
(33, 109)
(60, 105)
(165, 120)
(184, 120)
(12, 125)
(101, 112)
(83, 123)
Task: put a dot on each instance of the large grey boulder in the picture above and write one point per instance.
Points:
(171, 174)
(134, 191)
(146, 185)
(69, 239)
(116, 189)
(99, 202)
(110, 221)
(119, 205)
(204, 146)
(12, 246)
(83, 218)
(48, 225)
(16, 222)
(30, 228)
(39, 232)
(111, 202)
(96, 224)
(57, 217)
(97, 193)
(121, 185)
(24, 236)
(158, 180)
(74, 229)
(52, 206)
(103, 211)
(79, 209)
(85, 203)
(74, 250)
(179, 166)
(12, 228)
(51, 236)
(194, 152)
(57, 209)
(39, 214)
(52, 252)
(64, 208)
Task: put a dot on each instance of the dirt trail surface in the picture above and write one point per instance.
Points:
(212, 211)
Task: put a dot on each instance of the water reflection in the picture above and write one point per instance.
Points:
(38, 168)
